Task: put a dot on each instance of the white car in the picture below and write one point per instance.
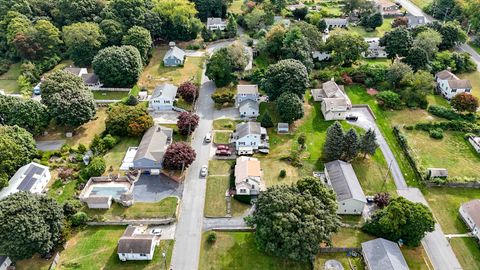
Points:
(204, 171)
(208, 137)
(156, 231)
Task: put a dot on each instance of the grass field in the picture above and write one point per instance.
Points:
(237, 250)
(8, 80)
(236, 7)
(421, 3)
(109, 95)
(215, 202)
(225, 124)
(34, 263)
(163, 209)
(115, 156)
(62, 192)
(474, 78)
(467, 252)
(378, 32)
(222, 137)
(95, 248)
(445, 203)
(155, 73)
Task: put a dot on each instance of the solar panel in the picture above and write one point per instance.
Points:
(29, 180)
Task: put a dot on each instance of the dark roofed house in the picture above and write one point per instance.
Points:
(174, 56)
(4, 262)
(382, 254)
(470, 213)
(342, 178)
(32, 177)
(150, 152)
(135, 245)
(91, 80)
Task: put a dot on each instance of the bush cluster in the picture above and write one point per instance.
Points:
(454, 125)
(450, 114)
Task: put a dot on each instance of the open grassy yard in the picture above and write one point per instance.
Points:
(372, 173)
(155, 73)
(222, 137)
(319, 263)
(225, 124)
(215, 202)
(445, 203)
(62, 192)
(162, 209)
(421, 3)
(332, 9)
(378, 32)
(177, 137)
(109, 95)
(8, 80)
(474, 78)
(381, 61)
(220, 167)
(467, 252)
(238, 251)
(410, 117)
(34, 263)
(236, 7)
(114, 157)
(95, 248)
(437, 100)
(452, 152)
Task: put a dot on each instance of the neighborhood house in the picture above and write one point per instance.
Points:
(335, 23)
(163, 97)
(388, 9)
(4, 262)
(32, 177)
(470, 213)
(247, 100)
(248, 176)
(174, 56)
(374, 49)
(341, 177)
(134, 245)
(150, 151)
(335, 102)
(90, 79)
(382, 254)
(296, 6)
(449, 85)
(414, 21)
(475, 142)
(100, 192)
(250, 136)
(216, 24)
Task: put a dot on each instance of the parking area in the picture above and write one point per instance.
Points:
(154, 188)
(165, 117)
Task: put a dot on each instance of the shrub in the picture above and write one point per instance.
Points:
(188, 91)
(389, 100)
(81, 148)
(436, 133)
(70, 207)
(382, 199)
(131, 100)
(4, 65)
(283, 173)
(449, 114)
(96, 167)
(266, 120)
(243, 198)
(212, 237)
(79, 218)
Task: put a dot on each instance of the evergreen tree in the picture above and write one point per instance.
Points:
(333, 145)
(368, 143)
(350, 145)
(231, 29)
(266, 120)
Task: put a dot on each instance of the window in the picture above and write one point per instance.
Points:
(242, 190)
(143, 254)
(343, 203)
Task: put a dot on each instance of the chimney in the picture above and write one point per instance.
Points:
(449, 69)
(332, 79)
(171, 44)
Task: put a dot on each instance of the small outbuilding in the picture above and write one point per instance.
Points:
(282, 128)
(174, 57)
(437, 173)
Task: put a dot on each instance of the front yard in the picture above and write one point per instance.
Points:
(467, 252)
(95, 248)
(221, 137)
(378, 32)
(109, 95)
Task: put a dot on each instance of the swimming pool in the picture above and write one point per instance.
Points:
(115, 192)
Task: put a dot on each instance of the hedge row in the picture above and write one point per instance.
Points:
(454, 125)
(402, 141)
(450, 114)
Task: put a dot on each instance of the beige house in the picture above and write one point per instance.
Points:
(470, 213)
(248, 176)
(335, 102)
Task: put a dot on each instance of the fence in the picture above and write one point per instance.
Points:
(454, 184)
(165, 221)
(55, 261)
(339, 249)
(107, 89)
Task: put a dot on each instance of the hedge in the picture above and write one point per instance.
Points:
(450, 114)
(454, 125)
(402, 141)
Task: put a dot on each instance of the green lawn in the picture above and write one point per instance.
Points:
(467, 252)
(177, 137)
(222, 137)
(320, 260)
(225, 124)
(378, 32)
(181, 103)
(445, 203)
(474, 78)
(34, 263)
(8, 80)
(381, 61)
(163, 209)
(236, 7)
(95, 248)
(220, 167)
(372, 174)
(109, 95)
(332, 9)
(115, 156)
(238, 251)
(437, 100)
(62, 192)
(215, 202)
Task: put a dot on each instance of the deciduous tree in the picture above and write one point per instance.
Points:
(83, 41)
(139, 38)
(28, 114)
(465, 102)
(345, 47)
(289, 107)
(178, 155)
(188, 91)
(120, 117)
(397, 42)
(113, 31)
(187, 122)
(285, 76)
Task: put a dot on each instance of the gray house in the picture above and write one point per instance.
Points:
(381, 254)
(174, 56)
(150, 152)
(342, 178)
(246, 92)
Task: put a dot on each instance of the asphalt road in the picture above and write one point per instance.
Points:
(414, 10)
(188, 234)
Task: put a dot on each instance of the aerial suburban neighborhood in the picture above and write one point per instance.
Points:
(239, 134)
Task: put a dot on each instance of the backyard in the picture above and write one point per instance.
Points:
(378, 32)
(109, 95)
(237, 250)
(155, 73)
(95, 248)
(8, 80)
(114, 157)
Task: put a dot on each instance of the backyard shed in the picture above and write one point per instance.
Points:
(437, 173)
(282, 128)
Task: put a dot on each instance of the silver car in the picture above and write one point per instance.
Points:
(204, 171)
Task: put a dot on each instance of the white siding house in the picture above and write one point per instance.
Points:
(246, 92)
(374, 49)
(250, 135)
(135, 246)
(248, 176)
(470, 213)
(163, 97)
(4, 262)
(174, 56)
(216, 24)
(449, 85)
(475, 142)
(334, 101)
(342, 178)
(335, 23)
(249, 109)
(32, 177)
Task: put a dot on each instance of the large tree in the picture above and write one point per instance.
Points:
(28, 114)
(139, 38)
(285, 76)
(113, 31)
(333, 148)
(368, 143)
(83, 41)
(178, 156)
(223, 64)
(396, 72)
(417, 58)
(187, 122)
(345, 47)
(274, 41)
(178, 19)
(68, 11)
(118, 66)
(120, 117)
(350, 145)
(372, 20)
(296, 46)
(188, 91)
(465, 102)
(452, 34)
(289, 107)
(292, 221)
(210, 8)
(428, 40)
(29, 224)
(401, 219)
(397, 42)
(67, 98)
(17, 148)
(416, 86)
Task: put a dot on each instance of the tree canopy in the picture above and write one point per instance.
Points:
(28, 114)
(121, 119)
(465, 102)
(289, 107)
(83, 41)
(397, 42)
(345, 47)
(139, 38)
(285, 76)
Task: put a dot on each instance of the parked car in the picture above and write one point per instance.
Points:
(223, 152)
(208, 138)
(370, 199)
(351, 117)
(223, 147)
(204, 171)
(156, 231)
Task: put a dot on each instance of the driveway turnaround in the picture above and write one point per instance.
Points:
(154, 188)
(50, 145)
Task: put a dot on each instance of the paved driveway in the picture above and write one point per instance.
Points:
(166, 117)
(154, 188)
(50, 145)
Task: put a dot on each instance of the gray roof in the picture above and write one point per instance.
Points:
(438, 172)
(166, 90)
(344, 181)
(3, 258)
(336, 21)
(215, 20)
(381, 254)
(459, 84)
(331, 89)
(249, 104)
(446, 75)
(135, 243)
(154, 143)
(472, 208)
(175, 52)
(73, 70)
(247, 89)
(244, 129)
(90, 78)
(415, 20)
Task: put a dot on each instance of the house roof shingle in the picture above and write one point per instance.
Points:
(90, 78)
(166, 90)
(175, 52)
(214, 21)
(247, 167)
(249, 104)
(247, 128)
(344, 181)
(473, 210)
(459, 84)
(446, 75)
(336, 21)
(381, 254)
(154, 143)
(130, 242)
(247, 89)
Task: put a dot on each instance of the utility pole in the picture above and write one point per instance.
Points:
(386, 175)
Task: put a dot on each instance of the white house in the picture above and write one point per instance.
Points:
(470, 213)
(335, 23)
(216, 24)
(475, 142)
(90, 79)
(135, 245)
(341, 177)
(449, 85)
(32, 177)
(174, 56)
(382, 254)
(248, 176)
(246, 92)
(163, 97)
(249, 109)
(250, 135)
(4, 262)
(335, 102)
(374, 49)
